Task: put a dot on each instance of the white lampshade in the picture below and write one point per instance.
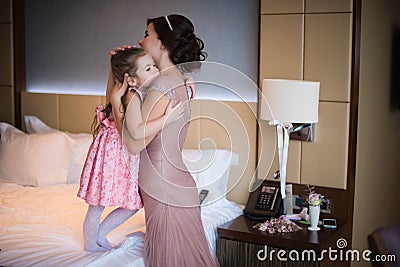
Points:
(290, 101)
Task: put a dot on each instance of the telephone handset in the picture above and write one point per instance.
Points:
(265, 202)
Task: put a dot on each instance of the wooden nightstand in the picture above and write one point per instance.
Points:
(238, 244)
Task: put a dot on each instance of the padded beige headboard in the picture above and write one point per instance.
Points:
(216, 124)
(73, 113)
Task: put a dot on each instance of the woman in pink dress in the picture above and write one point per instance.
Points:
(174, 231)
(109, 176)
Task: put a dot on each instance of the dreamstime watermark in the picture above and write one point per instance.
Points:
(337, 254)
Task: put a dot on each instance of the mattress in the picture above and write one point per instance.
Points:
(42, 226)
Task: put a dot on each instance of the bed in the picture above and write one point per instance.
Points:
(41, 217)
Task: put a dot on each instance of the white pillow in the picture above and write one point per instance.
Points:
(34, 125)
(210, 170)
(35, 160)
(81, 148)
(83, 141)
(4, 126)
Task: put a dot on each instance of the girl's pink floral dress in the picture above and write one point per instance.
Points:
(109, 176)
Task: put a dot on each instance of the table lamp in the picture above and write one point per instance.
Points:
(283, 103)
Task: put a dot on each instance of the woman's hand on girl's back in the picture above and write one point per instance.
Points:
(190, 85)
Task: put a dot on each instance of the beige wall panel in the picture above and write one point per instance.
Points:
(281, 47)
(5, 11)
(328, 54)
(245, 171)
(329, 5)
(324, 161)
(269, 159)
(103, 100)
(221, 125)
(281, 6)
(7, 104)
(293, 163)
(77, 112)
(266, 149)
(43, 106)
(6, 65)
(232, 125)
(193, 136)
(214, 134)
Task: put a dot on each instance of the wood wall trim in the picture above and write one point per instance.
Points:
(258, 111)
(18, 8)
(355, 76)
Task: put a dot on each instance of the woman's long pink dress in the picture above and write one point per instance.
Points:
(174, 231)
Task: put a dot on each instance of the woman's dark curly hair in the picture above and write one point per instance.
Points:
(181, 42)
(123, 61)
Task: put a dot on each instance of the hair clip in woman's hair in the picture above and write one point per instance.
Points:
(169, 23)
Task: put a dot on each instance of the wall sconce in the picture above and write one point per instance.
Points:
(302, 132)
(292, 106)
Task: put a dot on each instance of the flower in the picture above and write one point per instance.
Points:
(313, 199)
(275, 225)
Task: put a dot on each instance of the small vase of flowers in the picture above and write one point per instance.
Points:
(314, 201)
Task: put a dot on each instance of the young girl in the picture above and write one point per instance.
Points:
(109, 176)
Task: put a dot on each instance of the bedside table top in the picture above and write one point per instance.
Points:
(241, 229)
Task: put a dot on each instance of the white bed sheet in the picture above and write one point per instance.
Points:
(42, 226)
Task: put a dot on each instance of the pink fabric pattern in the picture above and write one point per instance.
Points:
(109, 176)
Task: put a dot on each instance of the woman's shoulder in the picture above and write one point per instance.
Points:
(165, 83)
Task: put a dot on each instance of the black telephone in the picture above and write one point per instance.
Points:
(265, 202)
